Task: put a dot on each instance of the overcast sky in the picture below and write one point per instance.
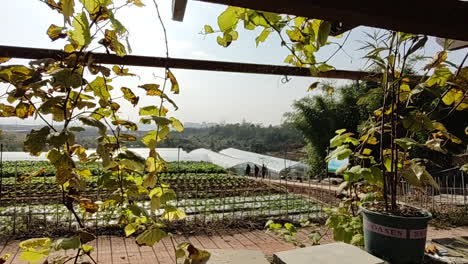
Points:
(205, 96)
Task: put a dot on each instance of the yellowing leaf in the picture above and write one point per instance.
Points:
(81, 35)
(136, 2)
(452, 96)
(4, 59)
(33, 257)
(367, 151)
(121, 71)
(152, 89)
(439, 77)
(175, 84)
(172, 213)
(130, 96)
(55, 32)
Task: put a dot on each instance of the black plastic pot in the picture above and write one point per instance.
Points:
(396, 239)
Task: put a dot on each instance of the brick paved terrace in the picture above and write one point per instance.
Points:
(120, 250)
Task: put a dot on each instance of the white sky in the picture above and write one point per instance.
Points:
(205, 96)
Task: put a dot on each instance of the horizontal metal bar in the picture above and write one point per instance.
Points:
(188, 64)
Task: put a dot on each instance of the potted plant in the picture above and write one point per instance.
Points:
(395, 144)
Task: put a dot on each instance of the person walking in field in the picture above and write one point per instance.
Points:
(264, 171)
(256, 170)
(247, 170)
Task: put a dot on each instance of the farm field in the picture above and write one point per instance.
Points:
(205, 192)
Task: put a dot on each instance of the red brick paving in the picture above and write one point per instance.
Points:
(119, 250)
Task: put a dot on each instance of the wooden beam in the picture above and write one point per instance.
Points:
(204, 65)
(178, 9)
(447, 19)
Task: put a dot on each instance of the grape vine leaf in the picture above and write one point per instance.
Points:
(81, 35)
(130, 96)
(151, 236)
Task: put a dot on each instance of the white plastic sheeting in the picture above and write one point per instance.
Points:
(276, 165)
(219, 159)
(231, 158)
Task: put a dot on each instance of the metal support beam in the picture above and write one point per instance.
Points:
(448, 19)
(204, 65)
(178, 9)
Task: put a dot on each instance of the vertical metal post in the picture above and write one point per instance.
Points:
(15, 195)
(1, 169)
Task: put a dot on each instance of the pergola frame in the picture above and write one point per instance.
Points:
(347, 13)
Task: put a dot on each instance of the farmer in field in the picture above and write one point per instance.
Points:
(247, 170)
(256, 170)
(264, 171)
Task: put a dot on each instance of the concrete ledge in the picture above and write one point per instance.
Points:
(226, 256)
(335, 253)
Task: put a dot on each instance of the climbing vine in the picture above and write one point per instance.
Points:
(75, 89)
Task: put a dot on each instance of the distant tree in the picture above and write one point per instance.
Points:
(319, 116)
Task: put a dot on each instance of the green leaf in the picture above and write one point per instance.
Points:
(68, 243)
(175, 84)
(229, 18)
(410, 176)
(406, 143)
(131, 228)
(464, 168)
(36, 141)
(130, 96)
(357, 240)
(295, 35)
(151, 236)
(172, 213)
(152, 110)
(177, 125)
(80, 36)
(323, 32)
(36, 243)
(313, 86)
(87, 249)
(208, 29)
(89, 121)
(33, 257)
(342, 152)
(92, 6)
(439, 77)
(180, 253)
(100, 88)
(67, 9)
(263, 36)
(423, 176)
